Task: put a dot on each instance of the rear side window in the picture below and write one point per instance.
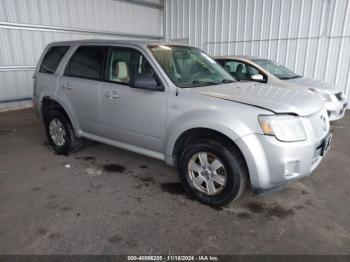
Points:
(86, 62)
(52, 59)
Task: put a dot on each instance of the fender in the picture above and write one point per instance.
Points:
(69, 111)
(224, 123)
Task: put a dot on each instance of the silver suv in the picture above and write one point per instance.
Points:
(175, 103)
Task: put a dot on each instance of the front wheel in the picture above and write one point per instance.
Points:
(60, 133)
(212, 173)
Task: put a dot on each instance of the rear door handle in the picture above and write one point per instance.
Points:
(112, 95)
(66, 85)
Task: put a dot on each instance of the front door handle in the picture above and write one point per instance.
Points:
(112, 95)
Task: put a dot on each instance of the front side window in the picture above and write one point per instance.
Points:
(237, 69)
(189, 67)
(52, 59)
(124, 63)
(276, 69)
(86, 62)
(240, 70)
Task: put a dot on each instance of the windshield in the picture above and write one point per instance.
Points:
(189, 67)
(276, 69)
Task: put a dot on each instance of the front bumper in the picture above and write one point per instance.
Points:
(336, 109)
(272, 163)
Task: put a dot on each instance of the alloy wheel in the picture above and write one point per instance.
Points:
(207, 173)
(57, 132)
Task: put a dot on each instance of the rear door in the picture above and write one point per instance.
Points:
(45, 76)
(131, 115)
(80, 85)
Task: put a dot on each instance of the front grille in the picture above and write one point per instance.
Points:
(319, 122)
(339, 96)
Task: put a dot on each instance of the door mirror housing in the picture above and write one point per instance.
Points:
(146, 81)
(258, 78)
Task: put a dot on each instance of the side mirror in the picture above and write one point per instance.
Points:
(146, 81)
(258, 78)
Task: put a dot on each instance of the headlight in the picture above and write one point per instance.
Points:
(285, 128)
(323, 96)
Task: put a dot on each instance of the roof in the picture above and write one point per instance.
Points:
(238, 57)
(141, 43)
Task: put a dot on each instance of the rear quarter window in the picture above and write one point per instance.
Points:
(52, 59)
(86, 62)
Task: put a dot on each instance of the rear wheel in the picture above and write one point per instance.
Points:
(60, 133)
(212, 173)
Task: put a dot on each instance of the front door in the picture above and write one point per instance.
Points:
(131, 115)
(241, 71)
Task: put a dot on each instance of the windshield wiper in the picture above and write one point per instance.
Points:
(287, 78)
(200, 83)
(293, 77)
(226, 81)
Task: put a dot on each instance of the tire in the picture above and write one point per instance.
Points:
(69, 143)
(233, 171)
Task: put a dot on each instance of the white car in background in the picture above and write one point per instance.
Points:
(245, 68)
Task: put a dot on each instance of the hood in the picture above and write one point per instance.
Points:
(273, 98)
(322, 86)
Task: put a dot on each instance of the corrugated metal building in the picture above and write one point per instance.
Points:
(27, 26)
(312, 37)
